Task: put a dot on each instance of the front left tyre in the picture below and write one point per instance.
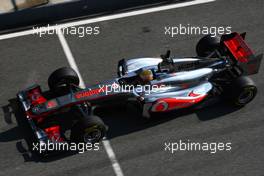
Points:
(88, 130)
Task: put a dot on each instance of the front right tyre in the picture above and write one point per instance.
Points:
(61, 78)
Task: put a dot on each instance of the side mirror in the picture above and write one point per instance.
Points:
(167, 63)
(166, 56)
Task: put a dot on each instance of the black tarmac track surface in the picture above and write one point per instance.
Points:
(139, 145)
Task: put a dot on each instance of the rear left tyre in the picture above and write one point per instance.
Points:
(243, 91)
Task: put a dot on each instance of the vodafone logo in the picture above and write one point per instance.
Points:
(90, 92)
(51, 104)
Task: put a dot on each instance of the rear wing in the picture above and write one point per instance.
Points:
(240, 52)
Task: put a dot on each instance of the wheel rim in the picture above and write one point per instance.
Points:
(246, 96)
(92, 135)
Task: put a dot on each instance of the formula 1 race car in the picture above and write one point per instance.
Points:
(153, 85)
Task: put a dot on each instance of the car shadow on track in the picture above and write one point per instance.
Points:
(117, 118)
(122, 122)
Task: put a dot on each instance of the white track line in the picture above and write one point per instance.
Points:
(117, 169)
(105, 18)
(110, 152)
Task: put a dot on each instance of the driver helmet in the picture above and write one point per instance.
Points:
(146, 75)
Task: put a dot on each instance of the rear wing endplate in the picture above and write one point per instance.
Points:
(241, 52)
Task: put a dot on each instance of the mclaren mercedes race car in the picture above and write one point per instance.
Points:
(153, 85)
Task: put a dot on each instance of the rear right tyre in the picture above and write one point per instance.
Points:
(207, 45)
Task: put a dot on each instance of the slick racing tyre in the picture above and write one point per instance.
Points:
(62, 77)
(89, 130)
(243, 91)
(207, 45)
